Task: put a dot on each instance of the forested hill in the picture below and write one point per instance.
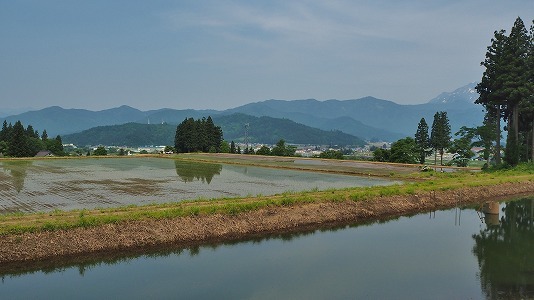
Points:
(261, 130)
(129, 134)
(271, 130)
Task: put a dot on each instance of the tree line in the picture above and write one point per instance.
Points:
(17, 141)
(198, 136)
(506, 91)
(202, 135)
(415, 150)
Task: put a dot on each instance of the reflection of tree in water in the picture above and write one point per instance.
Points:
(190, 171)
(17, 170)
(505, 253)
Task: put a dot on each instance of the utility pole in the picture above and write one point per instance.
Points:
(247, 125)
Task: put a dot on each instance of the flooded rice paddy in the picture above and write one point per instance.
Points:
(67, 184)
(462, 253)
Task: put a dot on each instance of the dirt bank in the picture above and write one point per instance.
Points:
(128, 236)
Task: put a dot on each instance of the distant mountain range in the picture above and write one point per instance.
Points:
(367, 118)
(262, 129)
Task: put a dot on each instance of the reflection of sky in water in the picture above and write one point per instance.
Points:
(44, 185)
(448, 254)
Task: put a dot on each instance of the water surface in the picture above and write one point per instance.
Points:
(452, 254)
(66, 184)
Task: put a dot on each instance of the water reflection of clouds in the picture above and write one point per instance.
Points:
(44, 185)
(406, 253)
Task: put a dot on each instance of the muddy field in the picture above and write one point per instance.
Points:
(186, 231)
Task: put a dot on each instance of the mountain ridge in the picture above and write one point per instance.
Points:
(369, 118)
(263, 130)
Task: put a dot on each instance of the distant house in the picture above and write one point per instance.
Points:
(44, 153)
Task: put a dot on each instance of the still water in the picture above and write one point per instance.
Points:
(67, 184)
(452, 254)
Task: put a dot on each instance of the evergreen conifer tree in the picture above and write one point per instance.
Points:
(18, 144)
(511, 152)
(4, 132)
(44, 136)
(422, 140)
(489, 88)
(441, 134)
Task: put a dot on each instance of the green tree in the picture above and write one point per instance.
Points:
(486, 135)
(515, 84)
(462, 146)
(214, 135)
(3, 147)
(441, 134)
(331, 154)
(404, 151)
(382, 155)
(18, 145)
(44, 135)
(55, 146)
(4, 132)
(511, 152)
(35, 145)
(422, 140)
(526, 107)
(225, 147)
(100, 151)
(30, 132)
(506, 88)
(185, 138)
(489, 87)
(200, 135)
(232, 147)
(264, 150)
(281, 149)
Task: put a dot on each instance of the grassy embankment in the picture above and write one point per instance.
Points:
(416, 183)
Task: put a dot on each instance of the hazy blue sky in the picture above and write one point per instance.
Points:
(98, 54)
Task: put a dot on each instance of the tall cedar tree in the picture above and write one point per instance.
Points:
(487, 134)
(422, 140)
(506, 89)
(441, 134)
(489, 87)
(511, 152)
(515, 87)
(527, 107)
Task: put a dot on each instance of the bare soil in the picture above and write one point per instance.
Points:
(137, 235)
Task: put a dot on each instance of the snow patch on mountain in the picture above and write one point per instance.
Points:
(462, 95)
